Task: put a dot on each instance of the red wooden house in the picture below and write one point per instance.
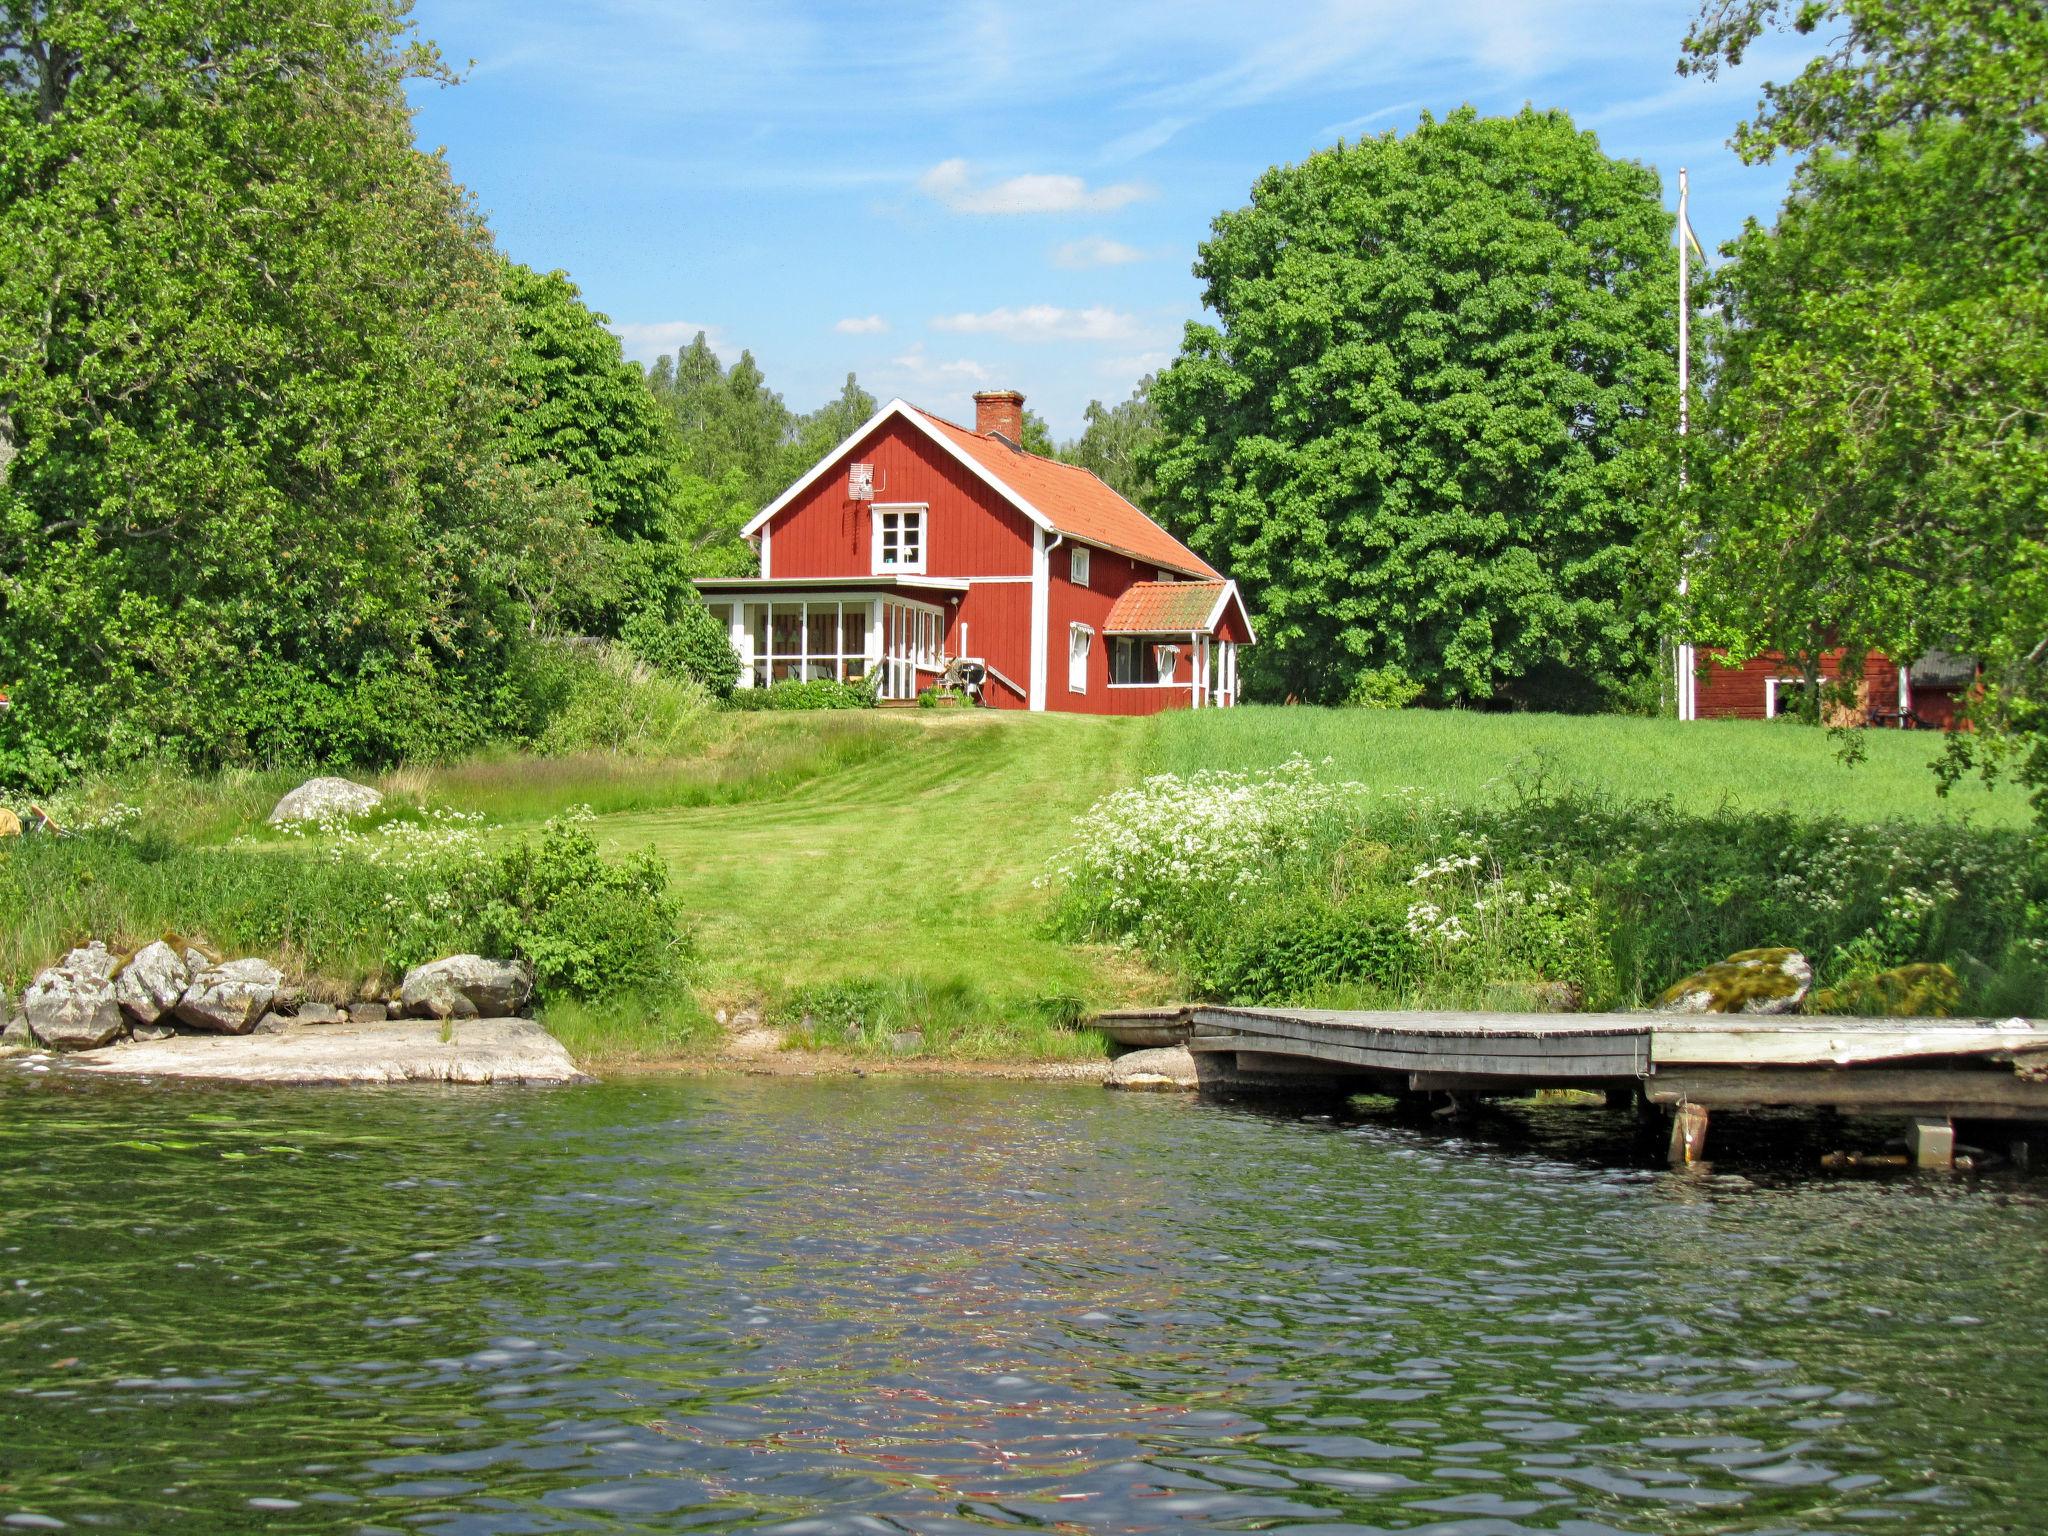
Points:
(917, 541)
(1924, 694)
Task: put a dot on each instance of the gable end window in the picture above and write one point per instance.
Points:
(1077, 564)
(899, 540)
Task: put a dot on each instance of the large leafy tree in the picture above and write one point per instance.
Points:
(247, 387)
(1411, 430)
(578, 411)
(1875, 467)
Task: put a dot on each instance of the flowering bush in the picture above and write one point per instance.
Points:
(1156, 861)
(1291, 887)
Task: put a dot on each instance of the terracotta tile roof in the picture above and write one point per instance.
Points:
(1079, 504)
(1163, 607)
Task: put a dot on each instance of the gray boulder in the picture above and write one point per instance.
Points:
(70, 1006)
(320, 1013)
(14, 1035)
(327, 799)
(466, 987)
(229, 998)
(162, 1029)
(151, 983)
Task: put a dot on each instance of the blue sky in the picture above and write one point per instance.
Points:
(950, 196)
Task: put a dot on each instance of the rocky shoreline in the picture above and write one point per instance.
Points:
(179, 1010)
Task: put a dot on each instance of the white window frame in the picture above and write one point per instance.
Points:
(1771, 687)
(899, 509)
(1077, 681)
(1077, 564)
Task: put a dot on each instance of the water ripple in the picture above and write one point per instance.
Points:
(934, 1307)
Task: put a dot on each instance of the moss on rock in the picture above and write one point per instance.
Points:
(1749, 981)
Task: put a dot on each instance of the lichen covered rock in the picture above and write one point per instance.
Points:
(1752, 981)
(229, 998)
(70, 1006)
(326, 799)
(151, 983)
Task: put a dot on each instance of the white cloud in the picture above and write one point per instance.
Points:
(861, 325)
(919, 368)
(647, 340)
(1135, 366)
(952, 183)
(1142, 141)
(1095, 251)
(1043, 322)
(1352, 125)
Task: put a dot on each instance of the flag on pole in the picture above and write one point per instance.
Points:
(1685, 230)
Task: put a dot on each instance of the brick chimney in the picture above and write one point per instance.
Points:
(1000, 411)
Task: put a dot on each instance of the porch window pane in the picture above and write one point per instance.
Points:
(788, 630)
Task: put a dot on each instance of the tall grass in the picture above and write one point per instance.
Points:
(315, 916)
(1700, 766)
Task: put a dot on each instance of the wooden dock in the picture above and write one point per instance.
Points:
(1928, 1073)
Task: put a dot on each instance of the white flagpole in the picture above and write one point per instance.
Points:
(1688, 699)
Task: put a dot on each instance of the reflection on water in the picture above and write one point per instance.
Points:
(895, 1306)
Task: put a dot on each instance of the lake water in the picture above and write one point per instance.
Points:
(810, 1306)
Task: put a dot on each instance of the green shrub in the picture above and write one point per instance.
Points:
(1383, 688)
(1288, 951)
(594, 698)
(591, 929)
(818, 693)
(841, 1014)
(685, 641)
(1252, 888)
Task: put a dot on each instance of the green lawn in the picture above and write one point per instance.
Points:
(914, 863)
(1700, 765)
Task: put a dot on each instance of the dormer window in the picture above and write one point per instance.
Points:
(899, 540)
(1077, 564)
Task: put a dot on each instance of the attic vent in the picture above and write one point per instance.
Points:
(860, 482)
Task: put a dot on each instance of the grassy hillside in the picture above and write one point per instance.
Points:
(1701, 766)
(877, 869)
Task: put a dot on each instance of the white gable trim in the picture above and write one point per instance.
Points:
(911, 414)
(1224, 599)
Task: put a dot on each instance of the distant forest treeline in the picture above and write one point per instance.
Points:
(739, 446)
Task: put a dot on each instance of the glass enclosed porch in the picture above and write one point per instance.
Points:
(842, 636)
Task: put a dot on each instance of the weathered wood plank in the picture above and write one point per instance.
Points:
(1396, 1055)
(1843, 1087)
(1831, 1043)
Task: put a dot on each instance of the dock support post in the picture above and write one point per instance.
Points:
(1688, 1134)
(1932, 1141)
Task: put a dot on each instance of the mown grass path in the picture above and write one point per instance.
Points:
(916, 862)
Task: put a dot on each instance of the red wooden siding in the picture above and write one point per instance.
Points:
(970, 530)
(1109, 574)
(1739, 693)
(998, 619)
